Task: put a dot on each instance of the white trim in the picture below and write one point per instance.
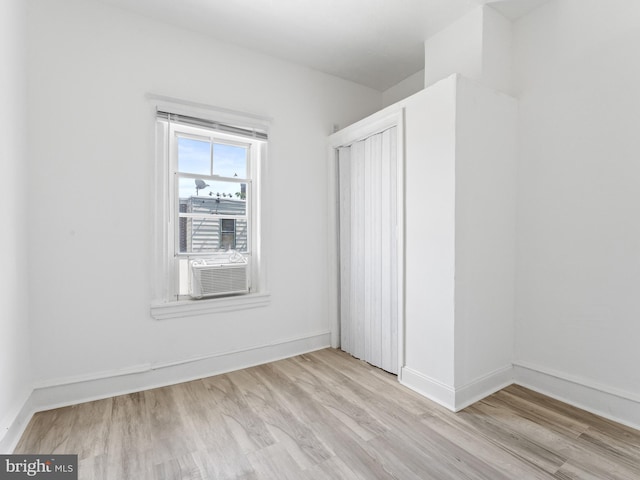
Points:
(617, 405)
(373, 124)
(456, 399)
(163, 268)
(84, 388)
(389, 117)
(333, 247)
(400, 237)
(614, 404)
(67, 391)
(579, 381)
(14, 424)
(159, 228)
(483, 387)
(428, 387)
(611, 403)
(193, 308)
(208, 112)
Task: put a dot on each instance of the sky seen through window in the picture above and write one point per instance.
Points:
(194, 156)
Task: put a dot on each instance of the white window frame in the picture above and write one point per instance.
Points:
(254, 148)
(164, 303)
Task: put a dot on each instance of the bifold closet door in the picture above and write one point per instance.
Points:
(368, 250)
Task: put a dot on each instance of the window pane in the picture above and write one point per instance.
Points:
(228, 241)
(218, 198)
(194, 156)
(228, 225)
(200, 235)
(229, 160)
(228, 234)
(242, 235)
(204, 235)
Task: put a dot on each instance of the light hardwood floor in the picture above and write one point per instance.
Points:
(325, 415)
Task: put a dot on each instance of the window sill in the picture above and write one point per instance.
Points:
(192, 308)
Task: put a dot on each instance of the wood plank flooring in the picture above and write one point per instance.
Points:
(327, 416)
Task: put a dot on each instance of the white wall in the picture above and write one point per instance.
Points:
(430, 124)
(477, 46)
(455, 49)
(407, 87)
(90, 67)
(460, 241)
(485, 238)
(15, 372)
(497, 55)
(578, 74)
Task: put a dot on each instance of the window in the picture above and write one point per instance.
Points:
(212, 185)
(208, 209)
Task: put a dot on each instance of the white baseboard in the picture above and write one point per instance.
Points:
(483, 387)
(428, 387)
(14, 424)
(619, 406)
(455, 399)
(73, 390)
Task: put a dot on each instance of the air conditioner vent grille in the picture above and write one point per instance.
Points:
(210, 280)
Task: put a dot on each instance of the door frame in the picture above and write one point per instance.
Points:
(389, 117)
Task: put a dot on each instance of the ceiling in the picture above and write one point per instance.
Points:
(376, 43)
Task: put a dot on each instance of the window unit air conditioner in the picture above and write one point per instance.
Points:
(219, 277)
